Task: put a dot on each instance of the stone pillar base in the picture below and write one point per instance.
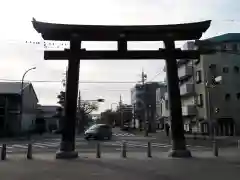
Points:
(179, 153)
(66, 155)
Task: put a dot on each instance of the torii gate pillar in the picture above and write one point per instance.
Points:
(67, 146)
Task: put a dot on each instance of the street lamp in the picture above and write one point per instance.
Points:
(209, 86)
(21, 106)
(93, 100)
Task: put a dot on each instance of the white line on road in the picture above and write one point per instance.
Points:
(19, 146)
(48, 144)
(9, 147)
(39, 145)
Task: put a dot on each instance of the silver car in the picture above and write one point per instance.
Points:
(99, 132)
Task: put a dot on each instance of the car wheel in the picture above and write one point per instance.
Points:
(87, 138)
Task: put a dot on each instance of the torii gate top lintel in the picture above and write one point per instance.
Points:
(64, 32)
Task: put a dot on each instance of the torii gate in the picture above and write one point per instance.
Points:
(122, 34)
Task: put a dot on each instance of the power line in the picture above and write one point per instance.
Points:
(155, 76)
(81, 82)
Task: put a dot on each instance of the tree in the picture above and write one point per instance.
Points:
(86, 107)
(61, 98)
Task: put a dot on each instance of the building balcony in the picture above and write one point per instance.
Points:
(184, 72)
(13, 111)
(186, 89)
(189, 110)
(181, 62)
(165, 96)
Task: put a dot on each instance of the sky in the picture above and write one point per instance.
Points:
(16, 56)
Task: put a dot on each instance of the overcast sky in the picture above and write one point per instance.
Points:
(16, 56)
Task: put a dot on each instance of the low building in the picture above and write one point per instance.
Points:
(11, 121)
(108, 117)
(49, 115)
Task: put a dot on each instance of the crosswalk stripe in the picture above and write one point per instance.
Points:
(39, 145)
(48, 144)
(9, 147)
(123, 134)
(19, 146)
(161, 145)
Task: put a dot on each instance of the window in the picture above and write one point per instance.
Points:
(224, 47)
(227, 97)
(200, 100)
(166, 104)
(197, 61)
(238, 96)
(225, 69)
(234, 47)
(198, 77)
(2, 111)
(236, 69)
(212, 66)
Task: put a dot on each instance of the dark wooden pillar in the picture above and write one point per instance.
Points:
(67, 147)
(175, 114)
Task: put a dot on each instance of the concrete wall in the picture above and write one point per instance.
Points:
(28, 121)
(29, 108)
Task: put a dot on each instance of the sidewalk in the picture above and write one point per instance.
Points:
(112, 166)
(33, 137)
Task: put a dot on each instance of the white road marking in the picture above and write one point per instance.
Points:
(19, 146)
(47, 144)
(9, 147)
(123, 134)
(39, 145)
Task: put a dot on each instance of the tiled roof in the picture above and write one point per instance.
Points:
(229, 37)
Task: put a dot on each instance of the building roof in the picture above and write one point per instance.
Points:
(47, 108)
(12, 87)
(229, 37)
(52, 31)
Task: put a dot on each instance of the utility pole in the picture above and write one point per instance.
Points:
(79, 114)
(120, 108)
(144, 77)
(134, 115)
(146, 114)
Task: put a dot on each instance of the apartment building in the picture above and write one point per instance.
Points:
(143, 97)
(11, 123)
(160, 95)
(210, 86)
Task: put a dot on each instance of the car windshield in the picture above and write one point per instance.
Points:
(93, 127)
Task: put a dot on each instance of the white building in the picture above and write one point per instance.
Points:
(207, 106)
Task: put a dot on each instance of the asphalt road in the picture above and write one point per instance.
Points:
(134, 142)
